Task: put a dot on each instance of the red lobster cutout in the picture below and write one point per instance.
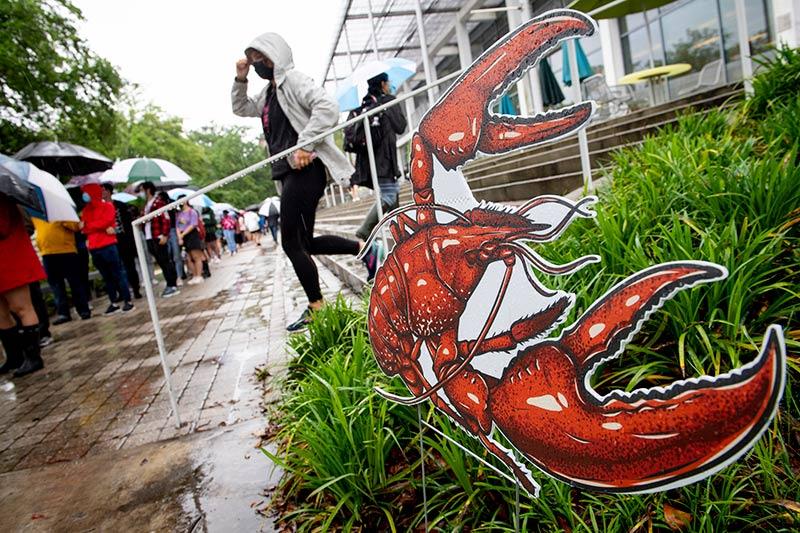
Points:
(458, 255)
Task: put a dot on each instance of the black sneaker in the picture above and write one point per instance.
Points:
(127, 307)
(302, 322)
(62, 320)
(111, 309)
(86, 316)
(170, 291)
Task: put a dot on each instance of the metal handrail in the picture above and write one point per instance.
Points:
(280, 155)
(138, 237)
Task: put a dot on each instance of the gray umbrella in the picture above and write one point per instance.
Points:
(64, 159)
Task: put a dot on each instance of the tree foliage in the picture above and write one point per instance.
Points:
(55, 88)
(51, 79)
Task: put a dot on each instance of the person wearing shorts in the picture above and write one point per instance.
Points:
(188, 223)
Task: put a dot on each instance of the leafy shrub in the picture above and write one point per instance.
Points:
(721, 187)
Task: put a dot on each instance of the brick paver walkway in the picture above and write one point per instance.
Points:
(103, 388)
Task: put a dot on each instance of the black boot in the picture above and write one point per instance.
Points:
(11, 344)
(206, 270)
(31, 352)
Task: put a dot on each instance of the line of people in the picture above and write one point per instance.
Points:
(104, 234)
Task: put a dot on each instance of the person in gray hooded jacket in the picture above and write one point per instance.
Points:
(293, 110)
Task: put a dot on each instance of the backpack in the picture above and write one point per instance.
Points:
(355, 139)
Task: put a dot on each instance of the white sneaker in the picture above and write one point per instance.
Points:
(195, 281)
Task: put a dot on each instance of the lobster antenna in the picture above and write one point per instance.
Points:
(573, 208)
(549, 268)
(403, 209)
(544, 199)
(414, 400)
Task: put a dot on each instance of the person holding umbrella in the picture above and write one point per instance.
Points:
(391, 123)
(126, 214)
(56, 242)
(293, 110)
(19, 268)
(98, 222)
(156, 233)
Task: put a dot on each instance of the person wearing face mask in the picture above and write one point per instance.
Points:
(293, 110)
(98, 223)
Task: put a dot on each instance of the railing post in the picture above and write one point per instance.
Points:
(373, 170)
(151, 304)
(583, 142)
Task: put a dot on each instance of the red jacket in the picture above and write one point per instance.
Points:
(98, 216)
(159, 225)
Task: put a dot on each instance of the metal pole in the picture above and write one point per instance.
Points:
(341, 193)
(649, 39)
(583, 142)
(423, 45)
(533, 74)
(347, 45)
(373, 170)
(151, 303)
(744, 47)
(372, 27)
(422, 462)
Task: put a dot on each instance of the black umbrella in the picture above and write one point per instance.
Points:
(551, 91)
(64, 159)
(20, 190)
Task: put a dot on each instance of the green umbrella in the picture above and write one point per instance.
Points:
(145, 170)
(584, 68)
(551, 91)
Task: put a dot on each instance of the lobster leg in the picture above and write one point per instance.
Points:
(521, 330)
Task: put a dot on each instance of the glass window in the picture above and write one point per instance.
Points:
(758, 27)
(636, 51)
(691, 34)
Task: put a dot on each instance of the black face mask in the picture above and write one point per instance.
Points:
(263, 71)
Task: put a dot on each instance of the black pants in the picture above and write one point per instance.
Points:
(39, 305)
(127, 253)
(62, 268)
(300, 195)
(161, 253)
(107, 261)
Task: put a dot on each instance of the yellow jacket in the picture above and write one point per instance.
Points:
(55, 237)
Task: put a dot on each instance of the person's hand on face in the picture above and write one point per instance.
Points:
(242, 68)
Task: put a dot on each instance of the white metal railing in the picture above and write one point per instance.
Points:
(138, 239)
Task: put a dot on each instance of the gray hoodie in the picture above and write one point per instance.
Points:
(309, 108)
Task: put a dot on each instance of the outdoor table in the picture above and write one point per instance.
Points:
(655, 75)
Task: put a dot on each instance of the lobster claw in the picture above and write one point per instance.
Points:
(460, 123)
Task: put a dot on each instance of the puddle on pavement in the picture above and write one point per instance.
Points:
(195, 483)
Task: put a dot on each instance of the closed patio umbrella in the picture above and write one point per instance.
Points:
(584, 68)
(551, 91)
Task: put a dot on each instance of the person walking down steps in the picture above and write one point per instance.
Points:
(293, 110)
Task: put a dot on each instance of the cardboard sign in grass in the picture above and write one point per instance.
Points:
(458, 312)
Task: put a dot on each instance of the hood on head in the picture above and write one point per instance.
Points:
(94, 190)
(277, 50)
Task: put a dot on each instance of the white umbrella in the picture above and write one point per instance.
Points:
(219, 207)
(55, 198)
(143, 168)
(265, 207)
(198, 201)
(350, 91)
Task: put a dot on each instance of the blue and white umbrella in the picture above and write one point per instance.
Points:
(54, 199)
(351, 90)
(124, 197)
(199, 201)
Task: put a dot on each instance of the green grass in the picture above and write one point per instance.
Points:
(723, 187)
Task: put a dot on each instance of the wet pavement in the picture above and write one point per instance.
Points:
(90, 442)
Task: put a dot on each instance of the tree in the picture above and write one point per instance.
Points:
(227, 151)
(51, 79)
